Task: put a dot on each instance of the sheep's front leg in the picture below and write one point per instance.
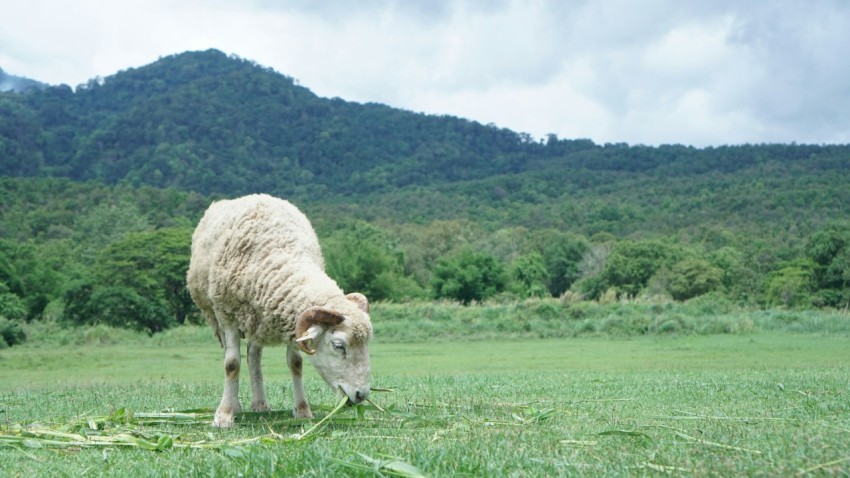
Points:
(258, 390)
(230, 398)
(295, 362)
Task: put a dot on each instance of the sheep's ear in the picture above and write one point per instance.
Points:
(311, 324)
(359, 299)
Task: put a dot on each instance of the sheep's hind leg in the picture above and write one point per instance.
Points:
(258, 390)
(230, 398)
(295, 362)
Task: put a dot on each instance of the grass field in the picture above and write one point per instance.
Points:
(766, 403)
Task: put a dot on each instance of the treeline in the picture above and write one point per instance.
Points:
(85, 253)
(460, 261)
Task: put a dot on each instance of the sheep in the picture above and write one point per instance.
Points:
(257, 271)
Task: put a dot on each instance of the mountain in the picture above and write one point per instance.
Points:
(92, 178)
(217, 124)
(18, 83)
(222, 126)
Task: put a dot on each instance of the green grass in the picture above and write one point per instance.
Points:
(770, 402)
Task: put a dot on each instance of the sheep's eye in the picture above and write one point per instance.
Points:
(339, 345)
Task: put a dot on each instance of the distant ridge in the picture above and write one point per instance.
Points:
(221, 125)
(215, 123)
(18, 84)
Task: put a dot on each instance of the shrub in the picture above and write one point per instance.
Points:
(12, 312)
(115, 306)
(468, 276)
(11, 333)
(361, 258)
(791, 285)
(829, 250)
(11, 306)
(529, 276)
(693, 277)
(632, 264)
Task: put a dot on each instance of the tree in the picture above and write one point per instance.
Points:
(791, 284)
(12, 312)
(693, 277)
(154, 264)
(631, 264)
(29, 274)
(731, 263)
(423, 246)
(562, 256)
(468, 276)
(362, 259)
(529, 275)
(592, 283)
(148, 269)
(104, 224)
(829, 251)
(115, 306)
(11, 306)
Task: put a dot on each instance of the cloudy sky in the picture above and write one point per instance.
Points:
(653, 71)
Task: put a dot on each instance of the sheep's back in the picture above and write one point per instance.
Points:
(250, 260)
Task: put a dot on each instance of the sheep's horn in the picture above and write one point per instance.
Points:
(311, 334)
(359, 299)
(310, 317)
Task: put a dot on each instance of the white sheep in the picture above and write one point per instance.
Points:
(257, 271)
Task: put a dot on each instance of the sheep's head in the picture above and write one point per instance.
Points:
(337, 343)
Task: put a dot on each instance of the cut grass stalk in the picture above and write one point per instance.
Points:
(117, 429)
(387, 465)
(376, 405)
(325, 419)
(666, 468)
(693, 416)
(718, 445)
(821, 466)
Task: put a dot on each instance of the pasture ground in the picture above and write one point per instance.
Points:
(766, 403)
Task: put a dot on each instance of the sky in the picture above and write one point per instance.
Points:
(701, 73)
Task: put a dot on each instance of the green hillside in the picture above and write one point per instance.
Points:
(214, 124)
(407, 205)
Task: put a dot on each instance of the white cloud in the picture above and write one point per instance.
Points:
(660, 71)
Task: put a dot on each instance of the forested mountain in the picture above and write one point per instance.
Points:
(17, 83)
(216, 124)
(406, 204)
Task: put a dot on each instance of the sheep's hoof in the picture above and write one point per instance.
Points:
(303, 411)
(222, 420)
(224, 417)
(260, 407)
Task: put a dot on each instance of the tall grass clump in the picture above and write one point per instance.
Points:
(529, 318)
(52, 332)
(553, 318)
(830, 322)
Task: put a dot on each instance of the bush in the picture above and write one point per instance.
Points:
(11, 333)
(11, 306)
(529, 276)
(632, 263)
(693, 277)
(791, 286)
(468, 276)
(361, 258)
(829, 250)
(115, 306)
